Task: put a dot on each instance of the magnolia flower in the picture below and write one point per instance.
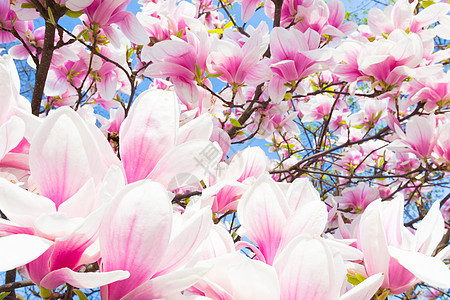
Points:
(154, 253)
(309, 269)
(272, 218)
(404, 258)
(294, 55)
(53, 227)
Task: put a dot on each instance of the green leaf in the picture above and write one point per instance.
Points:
(3, 295)
(288, 96)
(427, 3)
(51, 19)
(360, 277)
(198, 74)
(214, 75)
(217, 30)
(73, 14)
(235, 123)
(80, 294)
(228, 25)
(371, 39)
(352, 280)
(27, 5)
(179, 33)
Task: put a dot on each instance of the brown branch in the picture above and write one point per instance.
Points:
(43, 67)
(232, 132)
(8, 287)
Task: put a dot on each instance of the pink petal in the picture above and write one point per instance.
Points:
(81, 280)
(300, 193)
(311, 219)
(169, 284)
(64, 155)
(263, 211)
(373, 243)
(148, 132)
(187, 235)
(129, 241)
(189, 162)
(132, 28)
(306, 270)
(77, 5)
(199, 128)
(429, 269)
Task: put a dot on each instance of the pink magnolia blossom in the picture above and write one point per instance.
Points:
(183, 61)
(57, 225)
(104, 13)
(384, 60)
(352, 160)
(155, 252)
(401, 16)
(162, 19)
(240, 64)
(316, 109)
(403, 162)
(357, 198)
(153, 145)
(441, 152)
(420, 137)
(433, 90)
(272, 218)
(8, 18)
(309, 269)
(404, 259)
(291, 61)
(234, 178)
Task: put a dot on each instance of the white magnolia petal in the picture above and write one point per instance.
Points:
(365, 290)
(429, 269)
(81, 280)
(169, 284)
(20, 206)
(19, 249)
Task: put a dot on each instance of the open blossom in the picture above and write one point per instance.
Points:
(56, 226)
(104, 13)
(404, 258)
(291, 61)
(156, 252)
(234, 177)
(154, 146)
(309, 269)
(358, 197)
(434, 91)
(272, 218)
(401, 16)
(383, 60)
(420, 136)
(325, 18)
(319, 107)
(182, 61)
(240, 64)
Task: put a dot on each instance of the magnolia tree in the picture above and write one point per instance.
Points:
(148, 202)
